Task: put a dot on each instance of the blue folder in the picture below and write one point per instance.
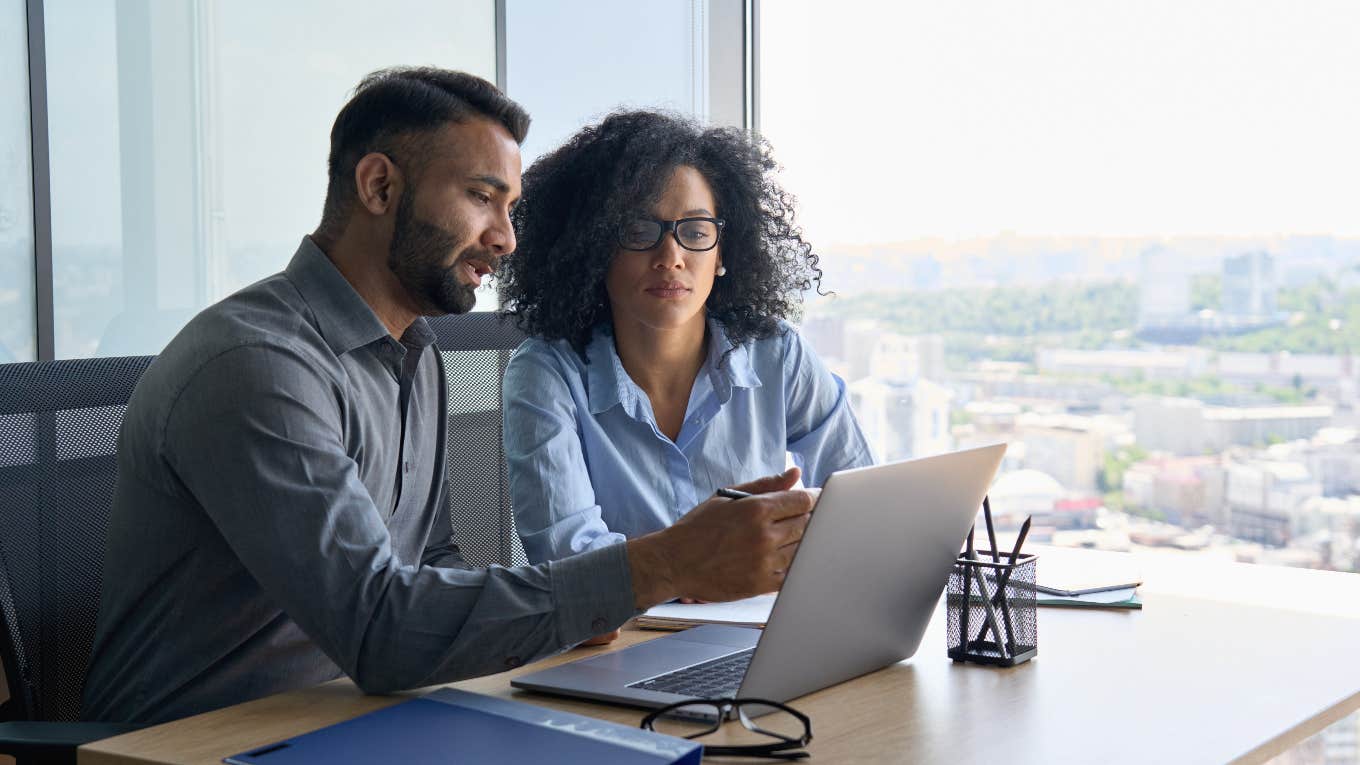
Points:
(452, 726)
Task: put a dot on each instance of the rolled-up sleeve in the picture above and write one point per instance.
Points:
(823, 435)
(256, 437)
(556, 513)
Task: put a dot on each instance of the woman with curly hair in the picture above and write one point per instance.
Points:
(657, 265)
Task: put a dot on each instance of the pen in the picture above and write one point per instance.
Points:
(991, 530)
(1005, 580)
(732, 493)
(991, 616)
(967, 590)
(987, 609)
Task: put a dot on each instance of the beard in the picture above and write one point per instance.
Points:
(417, 256)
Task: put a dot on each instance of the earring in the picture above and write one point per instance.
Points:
(722, 271)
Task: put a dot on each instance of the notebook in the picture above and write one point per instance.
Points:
(750, 612)
(1069, 576)
(1122, 598)
(453, 726)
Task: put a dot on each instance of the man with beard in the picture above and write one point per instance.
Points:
(280, 516)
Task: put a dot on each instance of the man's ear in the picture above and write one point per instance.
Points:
(378, 182)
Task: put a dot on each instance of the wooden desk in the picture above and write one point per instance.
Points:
(1204, 673)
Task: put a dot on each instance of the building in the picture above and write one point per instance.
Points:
(1163, 289)
(902, 418)
(1187, 491)
(1244, 426)
(1333, 375)
(1189, 426)
(1264, 499)
(1174, 425)
(1072, 452)
(826, 335)
(1075, 513)
(860, 339)
(1249, 287)
(907, 357)
(1018, 494)
(1175, 364)
(1338, 520)
(1333, 455)
(992, 384)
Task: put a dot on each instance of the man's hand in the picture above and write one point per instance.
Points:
(604, 639)
(723, 549)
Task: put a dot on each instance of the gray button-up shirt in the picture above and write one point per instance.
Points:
(281, 518)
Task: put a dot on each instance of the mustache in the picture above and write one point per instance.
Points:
(480, 257)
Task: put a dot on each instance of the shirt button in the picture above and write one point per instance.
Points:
(512, 661)
(599, 626)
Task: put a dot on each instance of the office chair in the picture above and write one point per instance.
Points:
(475, 347)
(59, 424)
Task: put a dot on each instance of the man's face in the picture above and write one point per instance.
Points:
(452, 223)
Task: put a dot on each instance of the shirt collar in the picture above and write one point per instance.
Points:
(611, 386)
(737, 370)
(343, 318)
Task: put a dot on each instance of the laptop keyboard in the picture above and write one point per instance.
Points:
(716, 678)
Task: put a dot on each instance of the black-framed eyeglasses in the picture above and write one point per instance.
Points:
(693, 234)
(788, 729)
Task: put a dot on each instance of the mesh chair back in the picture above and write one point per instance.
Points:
(59, 424)
(475, 348)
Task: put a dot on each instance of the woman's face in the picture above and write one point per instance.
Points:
(665, 287)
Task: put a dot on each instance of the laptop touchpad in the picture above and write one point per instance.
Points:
(657, 656)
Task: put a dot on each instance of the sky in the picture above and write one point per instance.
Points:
(280, 78)
(902, 120)
(895, 120)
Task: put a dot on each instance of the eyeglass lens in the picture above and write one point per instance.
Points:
(760, 724)
(696, 235)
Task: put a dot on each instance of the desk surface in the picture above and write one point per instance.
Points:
(1224, 662)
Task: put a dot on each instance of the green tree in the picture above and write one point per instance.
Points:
(1111, 478)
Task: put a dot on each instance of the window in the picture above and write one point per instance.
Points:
(571, 64)
(189, 138)
(18, 330)
(1120, 237)
(189, 143)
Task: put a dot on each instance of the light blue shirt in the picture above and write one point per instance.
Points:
(589, 467)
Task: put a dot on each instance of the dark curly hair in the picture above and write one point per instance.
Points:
(576, 198)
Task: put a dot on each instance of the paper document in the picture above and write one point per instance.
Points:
(751, 612)
(1125, 598)
(1081, 574)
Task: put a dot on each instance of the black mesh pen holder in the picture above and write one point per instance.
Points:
(991, 609)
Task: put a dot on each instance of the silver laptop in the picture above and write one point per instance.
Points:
(858, 596)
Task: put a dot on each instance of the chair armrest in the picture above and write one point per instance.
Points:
(54, 742)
